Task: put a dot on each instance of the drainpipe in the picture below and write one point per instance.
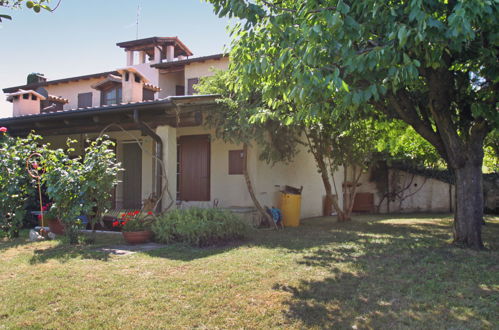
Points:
(158, 153)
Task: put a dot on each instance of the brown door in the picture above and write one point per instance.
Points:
(132, 178)
(194, 174)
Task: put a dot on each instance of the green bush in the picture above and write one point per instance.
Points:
(200, 227)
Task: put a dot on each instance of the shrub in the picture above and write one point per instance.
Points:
(200, 227)
(16, 186)
(135, 221)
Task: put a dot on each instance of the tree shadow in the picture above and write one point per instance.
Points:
(397, 276)
(64, 253)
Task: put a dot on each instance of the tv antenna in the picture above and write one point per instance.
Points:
(137, 22)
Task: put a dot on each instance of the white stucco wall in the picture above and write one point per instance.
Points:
(422, 194)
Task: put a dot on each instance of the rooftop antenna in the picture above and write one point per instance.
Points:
(137, 21)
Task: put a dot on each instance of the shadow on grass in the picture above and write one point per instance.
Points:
(391, 275)
(63, 252)
(6, 243)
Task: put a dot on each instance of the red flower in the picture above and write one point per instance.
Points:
(149, 213)
(129, 213)
(39, 217)
(136, 212)
(3, 129)
(116, 223)
(35, 165)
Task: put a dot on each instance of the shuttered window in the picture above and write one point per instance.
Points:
(236, 162)
(84, 100)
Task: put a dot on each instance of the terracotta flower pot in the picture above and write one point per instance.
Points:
(55, 226)
(137, 237)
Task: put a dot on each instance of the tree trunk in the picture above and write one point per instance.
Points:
(249, 185)
(468, 217)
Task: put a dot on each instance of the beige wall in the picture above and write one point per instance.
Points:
(416, 193)
(168, 83)
(204, 69)
(231, 190)
(71, 90)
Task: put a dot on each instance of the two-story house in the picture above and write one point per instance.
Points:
(150, 107)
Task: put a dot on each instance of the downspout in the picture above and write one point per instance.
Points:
(158, 154)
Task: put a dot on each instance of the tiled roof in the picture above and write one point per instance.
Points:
(57, 99)
(103, 108)
(22, 92)
(165, 65)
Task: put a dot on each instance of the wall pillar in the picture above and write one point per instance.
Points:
(129, 57)
(170, 53)
(169, 136)
(157, 54)
(142, 57)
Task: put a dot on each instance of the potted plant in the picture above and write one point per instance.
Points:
(135, 226)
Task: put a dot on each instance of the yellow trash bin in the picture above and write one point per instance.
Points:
(290, 205)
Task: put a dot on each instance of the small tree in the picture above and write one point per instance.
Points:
(100, 176)
(63, 178)
(242, 119)
(16, 186)
(342, 143)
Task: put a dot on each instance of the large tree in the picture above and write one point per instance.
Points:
(430, 63)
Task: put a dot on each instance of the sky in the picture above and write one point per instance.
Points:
(80, 36)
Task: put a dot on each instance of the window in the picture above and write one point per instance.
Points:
(111, 96)
(236, 162)
(85, 100)
(191, 86)
(26, 96)
(33, 97)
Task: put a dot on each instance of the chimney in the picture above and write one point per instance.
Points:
(132, 86)
(34, 78)
(25, 102)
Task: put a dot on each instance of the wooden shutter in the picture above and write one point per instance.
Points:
(132, 177)
(191, 86)
(85, 100)
(236, 158)
(194, 175)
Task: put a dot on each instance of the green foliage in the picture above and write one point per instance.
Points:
(242, 118)
(100, 175)
(79, 186)
(400, 142)
(200, 227)
(36, 6)
(63, 178)
(16, 185)
(430, 63)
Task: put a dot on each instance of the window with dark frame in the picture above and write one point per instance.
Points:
(84, 100)
(111, 96)
(236, 162)
(191, 86)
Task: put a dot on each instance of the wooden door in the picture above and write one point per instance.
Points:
(194, 174)
(132, 177)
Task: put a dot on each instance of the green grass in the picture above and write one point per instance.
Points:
(375, 272)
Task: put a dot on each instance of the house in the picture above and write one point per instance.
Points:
(149, 106)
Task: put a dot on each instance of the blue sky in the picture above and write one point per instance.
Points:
(80, 36)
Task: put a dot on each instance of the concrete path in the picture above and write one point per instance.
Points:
(123, 250)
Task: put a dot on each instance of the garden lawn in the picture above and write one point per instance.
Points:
(375, 272)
